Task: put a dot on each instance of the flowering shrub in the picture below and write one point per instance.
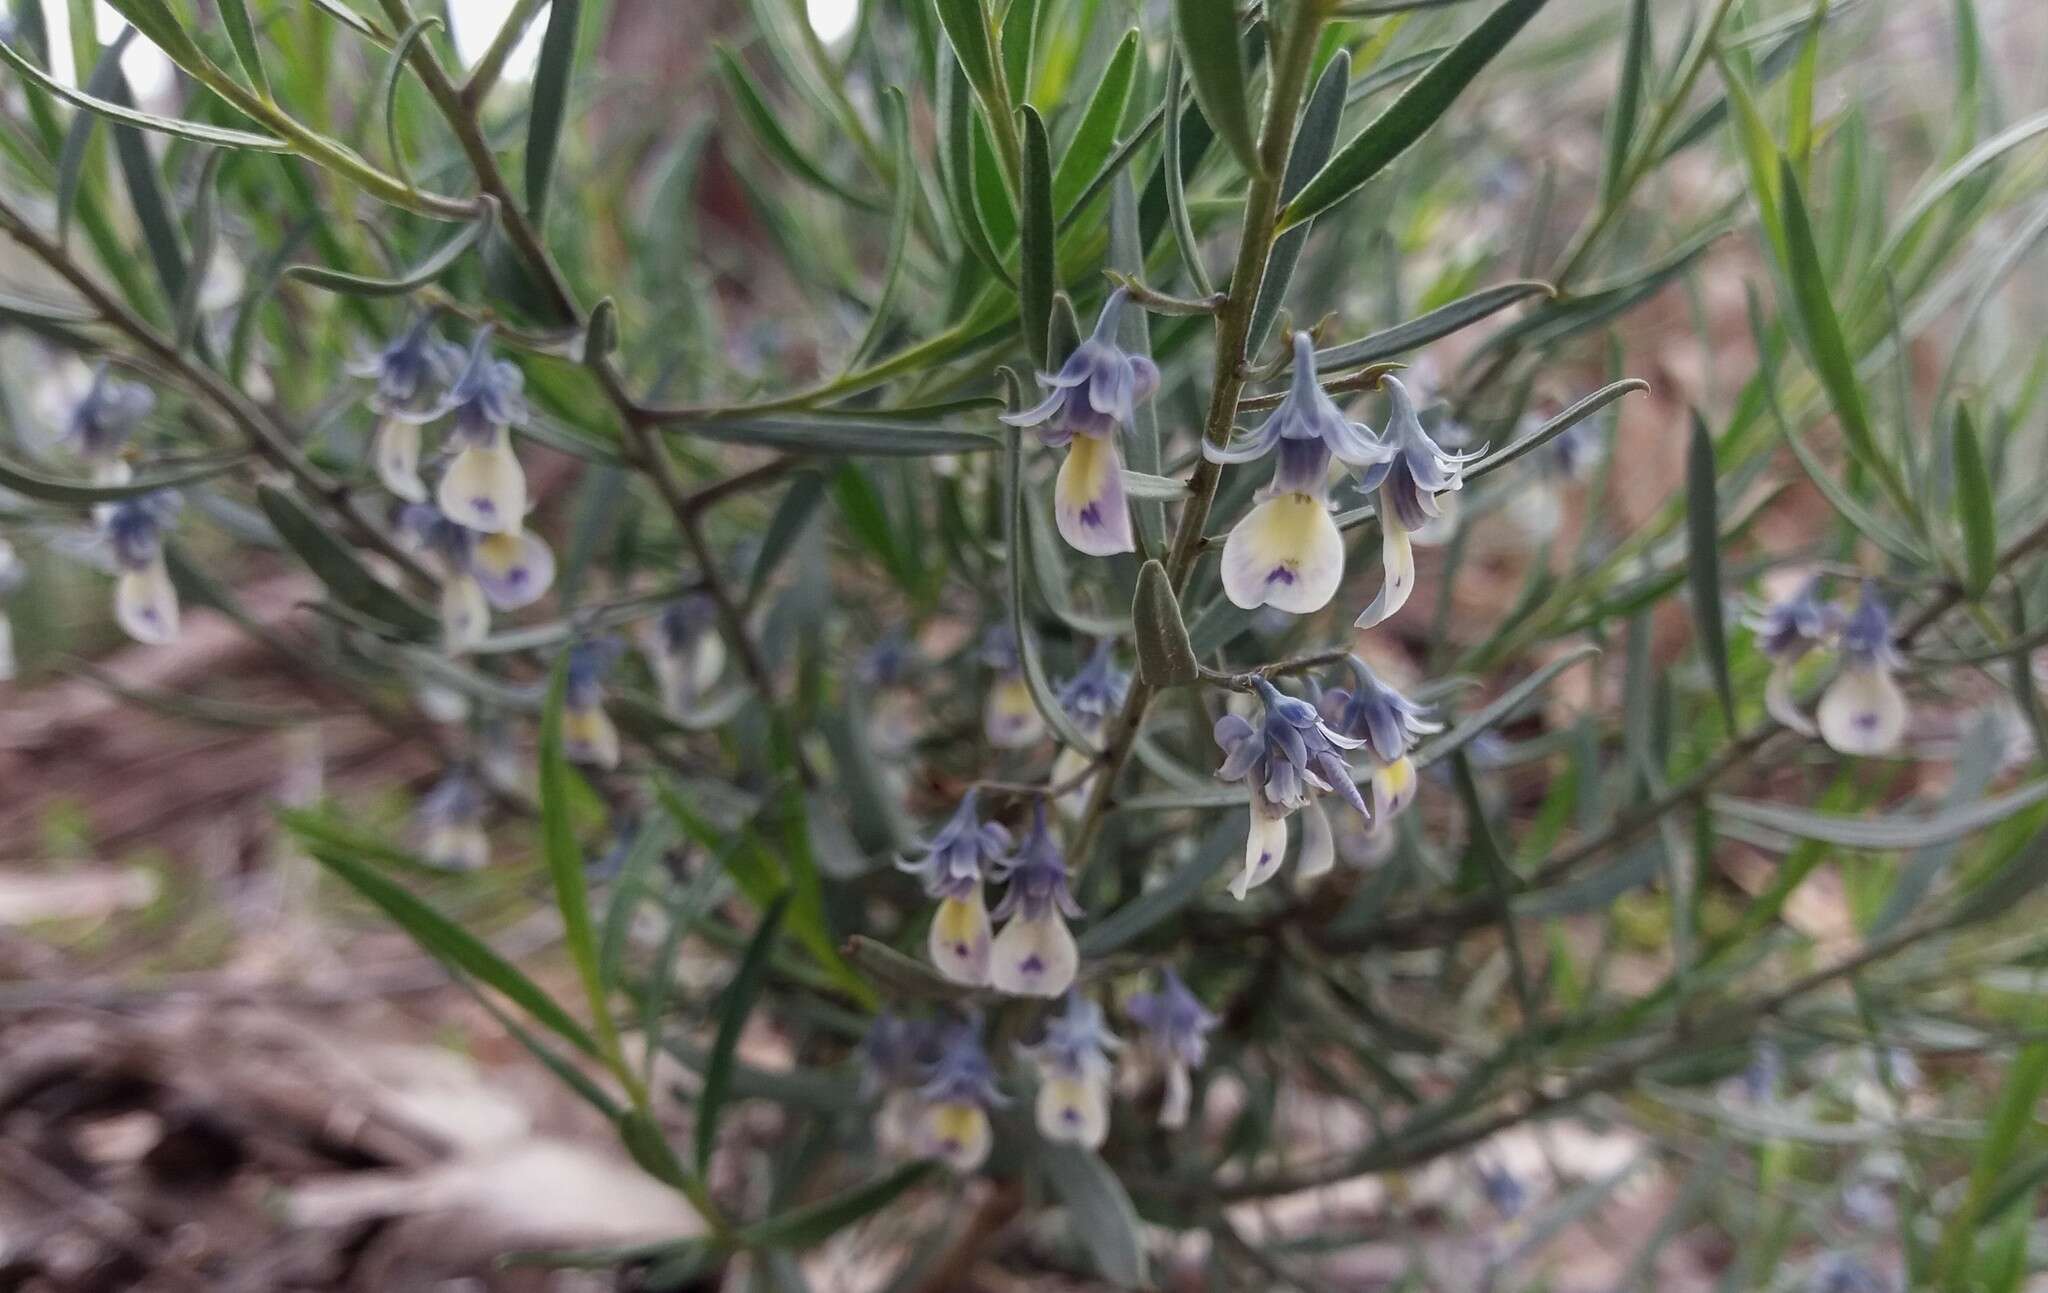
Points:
(921, 551)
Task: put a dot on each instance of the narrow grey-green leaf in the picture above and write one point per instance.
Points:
(1165, 657)
(1313, 142)
(234, 15)
(102, 83)
(966, 24)
(338, 566)
(738, 1003)
(1036, 271)
(559, 849)
(35, 484)
(435, 265)
(1416, 109)
(1703, 544)
(1425, 328)
(1821, 326)
(767, 129)
(1883, 831)
(1637, 56)
(955, 108)
(197, 132)
(1098, 1209)
(1174, 174)
(550, 103)
(1974, 505)
(1206, 34)
(803, 433)
(204, 237)
(1095, 138)
(900, 977)
(1020, 41)
(394, 75)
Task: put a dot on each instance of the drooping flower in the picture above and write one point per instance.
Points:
(1502, 1188)
(1863, 711)
(1389, 724)
(1074, 1074)
(1009, 716)
(1175, 1036)
(409, 372)
(1406, 488)
(145, 602)
(484, 487)
(684, 651)
(1841, 1273)
(478, 572)
(956, 863)
(895, 1056)
(1035, 954)
(587, 732)
(1094, 394)
(101, 423)
(1287, 552)
(449, 823)
(959, 1089)
(1282, 759)
(1785, 632)
(1089, 698)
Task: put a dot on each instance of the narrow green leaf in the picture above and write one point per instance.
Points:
(550, 103)
(103, 83)
(436, 264)
(732, 1018)
(902, 213)
(1134, 333)
(1098, 1209)
(339, 568)
(197, 132)
(955, 110)
(1703, 543)
(1094, 138)
(1020, 41)
(234, 15)
(1822, 329)
(900, 977)
(810, 433)
(814, 1223)
(1165, 657)
(966, 24)
(1205, 31)
(444, 939)
(1321, 119)
(1425, 328)
(34, 484)
(766, 126)
(1163, 900)
(1415, 111)
(1174, 171)
(1636, 57)
(204, 234)
(1037, 273)
(151, 201)
(1974, 505)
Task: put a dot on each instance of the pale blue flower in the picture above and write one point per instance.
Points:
(684, 651)
(1786, 631)
(1289, 753)
(478, 572)
(410, 372)
(484, 486)
(449, 823)
(1863, 712)
(955, 864)
(588, 735)
(1841, 1273)
(1389, 724)
(1095, 392)
(1074, 1074)
(1035, 955)
(958, 1091)
(145, 601)
(1406, 488)
(1175, 1036)
(1095, 692)
(102, 422)
(1287, 552)
(1010, 717)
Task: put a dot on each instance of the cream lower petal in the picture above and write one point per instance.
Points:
(1399, 557)
(588, 736)
(484, 488)
(465, 614)
(956, 1134)
(1863, 712)
(1009, 718)
(458, 847)
(959, 942)
(1066, 765)
(899, 1123)
(146, 605)
(1779, 703)
(1393, 788)
(1173, 1110)
(1088, 498)
(1286, 553)
(1265, 848)
(1034, 957)
(1073, 1110)
(1318, 845)
(396, 455)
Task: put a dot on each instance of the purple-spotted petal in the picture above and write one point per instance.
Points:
(1286, 553)
(1088, 499)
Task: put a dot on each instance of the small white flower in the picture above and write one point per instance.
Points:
(1035, 954)
(1407, 488)
(1863, 712)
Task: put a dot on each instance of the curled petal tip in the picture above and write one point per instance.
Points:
(1399, 558)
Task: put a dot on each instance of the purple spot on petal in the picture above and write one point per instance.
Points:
(1866, 720)
(1281, 575)
(483, 505)
(1091, 516)
(959, 949)
(1032, 965)
(1070, 1114)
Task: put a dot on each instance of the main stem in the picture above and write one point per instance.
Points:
(1233, 327)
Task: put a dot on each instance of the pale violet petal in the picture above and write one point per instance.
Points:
(1265, 848)
(396, 454)
(515, 570)
(1393, 788)
(146, 605)
(588, 736)
(1318, 845)
(1286, 553)
(1173, 1110)
(484, 488)
(1073, 1110)
(465, 614)
(1780, 705)
(960, 941)
(956, 1134)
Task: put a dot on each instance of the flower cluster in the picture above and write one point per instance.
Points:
(478, 572)
(103, 422)
(1862, 711)
(934, 1084)
(1091, 399)
(1388, 724)
(1285, 759)
(145, 602)
(1035, 954)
